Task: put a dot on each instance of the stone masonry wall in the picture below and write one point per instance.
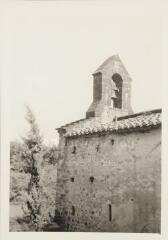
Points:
(111, 182)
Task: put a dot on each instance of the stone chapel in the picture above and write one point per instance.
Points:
(109, 177)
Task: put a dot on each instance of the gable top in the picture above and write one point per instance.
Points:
(147, 119)
(109, 63)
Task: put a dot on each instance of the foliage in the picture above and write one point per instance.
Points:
(18, 178)
(33, 178)
(16, 149)
(50, 155)
(19, 185)
(32, 153)
(48, 193)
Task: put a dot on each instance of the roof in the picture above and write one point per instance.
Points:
(106, 62)
(148, 119)
(110, 62)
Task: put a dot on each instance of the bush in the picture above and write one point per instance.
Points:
(33, 179)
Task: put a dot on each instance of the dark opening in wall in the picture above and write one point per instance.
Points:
(72, 179)
(112, 141)
(73, 210)
(91, 179)
(74, 150)
(97, 86)
(110, 212)
(97, 148)
(119, 83)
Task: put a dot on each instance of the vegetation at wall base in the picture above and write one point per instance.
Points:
(33, 172)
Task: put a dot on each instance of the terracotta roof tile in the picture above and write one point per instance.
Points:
(94, 125)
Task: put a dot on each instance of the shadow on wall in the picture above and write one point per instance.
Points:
(57, 225)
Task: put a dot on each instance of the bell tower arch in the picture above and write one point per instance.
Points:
(111, 90)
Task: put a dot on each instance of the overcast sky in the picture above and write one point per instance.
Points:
(52, 49)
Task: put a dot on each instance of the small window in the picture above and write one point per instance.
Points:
(74, 150)
(97, 148)
(72, 179)
(112, 141)
(73, 210)
(91, 179)
(110, 211)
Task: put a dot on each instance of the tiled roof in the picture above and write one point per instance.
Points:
(97, 125)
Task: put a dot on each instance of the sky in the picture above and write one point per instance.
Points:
(52, 48)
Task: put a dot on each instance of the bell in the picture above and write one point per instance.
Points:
(114, 86)
(113, 94)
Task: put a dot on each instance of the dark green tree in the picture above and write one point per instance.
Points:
(32, 156)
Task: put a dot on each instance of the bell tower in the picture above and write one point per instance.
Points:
(111, 90)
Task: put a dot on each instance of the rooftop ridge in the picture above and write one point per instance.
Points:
(158, 110)
(71, 123)
(108, 60)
